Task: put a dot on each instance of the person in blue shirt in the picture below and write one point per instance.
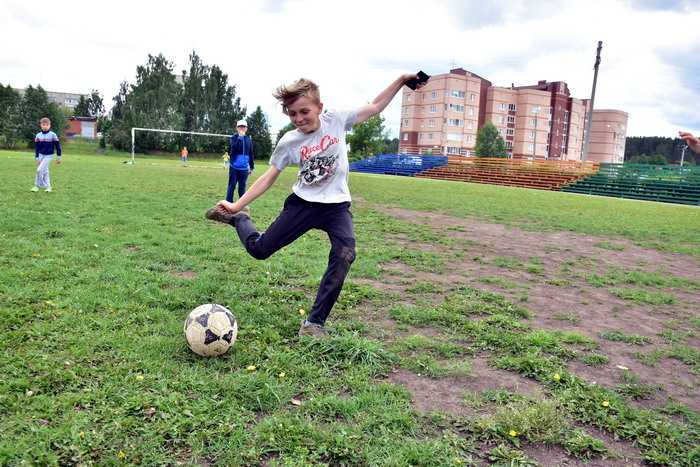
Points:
(44, 144)
(241, 163)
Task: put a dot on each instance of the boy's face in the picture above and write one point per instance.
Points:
(45, 126)
(303, 113)
(242, 130)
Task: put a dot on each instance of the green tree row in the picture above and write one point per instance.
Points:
(202, 101)
(20, 115)
(657, 150)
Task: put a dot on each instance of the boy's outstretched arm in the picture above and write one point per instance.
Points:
(260, 186)
(692, 141)
(382, 100)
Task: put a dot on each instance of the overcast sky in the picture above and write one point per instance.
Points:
(650, 62)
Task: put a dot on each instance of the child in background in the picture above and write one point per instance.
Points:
(226, 160)
(44, 144)
(183, 156)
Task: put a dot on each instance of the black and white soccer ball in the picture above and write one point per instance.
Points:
(210, 330)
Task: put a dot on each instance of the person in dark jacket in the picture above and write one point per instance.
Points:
(241, 163)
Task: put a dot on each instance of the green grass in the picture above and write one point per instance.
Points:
(619, 336)
(96, 371)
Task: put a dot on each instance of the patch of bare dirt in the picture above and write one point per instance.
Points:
(558, 295)
(184, 274)
(555, 456)
(447, 394)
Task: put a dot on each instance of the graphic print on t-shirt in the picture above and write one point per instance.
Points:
(318, 162)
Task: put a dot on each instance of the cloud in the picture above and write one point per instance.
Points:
(665, 5)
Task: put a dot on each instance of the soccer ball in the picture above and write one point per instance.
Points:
(210, 330)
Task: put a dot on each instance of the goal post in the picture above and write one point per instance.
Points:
(158, 130)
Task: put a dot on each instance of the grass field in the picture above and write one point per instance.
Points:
(450, 346)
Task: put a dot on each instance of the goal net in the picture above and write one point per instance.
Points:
(158, 130)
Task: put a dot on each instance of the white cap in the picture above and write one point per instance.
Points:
(242, 123)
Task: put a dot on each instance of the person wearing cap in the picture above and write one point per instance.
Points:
(241, 162)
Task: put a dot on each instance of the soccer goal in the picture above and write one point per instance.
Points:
(158, 130)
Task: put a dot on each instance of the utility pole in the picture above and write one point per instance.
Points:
(587, 137)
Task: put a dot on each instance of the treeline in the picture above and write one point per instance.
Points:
(657, 150)
(200, 99)
(20, 114)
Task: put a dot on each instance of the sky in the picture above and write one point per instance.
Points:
(650, 60)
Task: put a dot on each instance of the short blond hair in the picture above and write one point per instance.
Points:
(288, 94)
(45, 120)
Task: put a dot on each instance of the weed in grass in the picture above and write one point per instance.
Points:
(609, 246)
(423, 288)
(642, 278)
(672, 336)
(686, 354)
(643, 296)
(619, 336)
(501, 282)
(558, 282)
(595, 359)
(633, 389)
(652, 357)
(505, 456)
(569, 316)
(507, 262)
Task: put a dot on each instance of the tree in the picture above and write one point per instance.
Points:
(259, 132)
(489, 142)
(82, 109)
(367, 138)
(654, 159)
(288, 127)
(10, 102)
(153, 102)
(91, 106)
(33, 107)
(208, 104)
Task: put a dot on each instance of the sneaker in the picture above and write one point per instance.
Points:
(312, 329)
(35, 189)
(223, 216)
(48, 190)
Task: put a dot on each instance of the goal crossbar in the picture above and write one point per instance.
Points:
(158, 130)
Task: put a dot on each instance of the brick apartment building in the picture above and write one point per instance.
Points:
(541, 121)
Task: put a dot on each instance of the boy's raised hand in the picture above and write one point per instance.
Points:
(693, 142)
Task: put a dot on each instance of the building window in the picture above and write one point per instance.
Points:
(531, 135)
(501, 119)
(433, 108)
(469, 138)
(405, 122)
(433, 94)
(456, 93)
(511, 107)
(431, 123)
(509, 145)
(503, 106)
(500, 131)
(455, 107)
(452, 150)
(471, 111)
(405, 136)
(472, 97)
(454, 136)
(530, 147)
(408, 97)
(430, 136)
(533, 121)
(510, 131)
(454, 122)
(536, 109)
(470, 125)
(511, 119)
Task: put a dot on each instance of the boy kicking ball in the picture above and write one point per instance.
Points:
(44, 144)
(320, 197)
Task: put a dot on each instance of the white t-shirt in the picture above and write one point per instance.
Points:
(322, 157)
